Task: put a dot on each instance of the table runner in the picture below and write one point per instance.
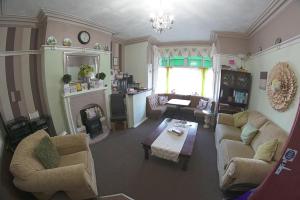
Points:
(168, 145)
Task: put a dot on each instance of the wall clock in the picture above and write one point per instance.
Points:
(84, 37)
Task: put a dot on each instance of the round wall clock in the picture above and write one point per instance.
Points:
(84, 37)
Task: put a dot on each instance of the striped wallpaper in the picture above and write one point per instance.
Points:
(20, 75)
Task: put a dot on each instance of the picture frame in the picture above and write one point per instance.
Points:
(115, 61)
(263, 80)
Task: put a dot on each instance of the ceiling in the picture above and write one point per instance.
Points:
(194, 19)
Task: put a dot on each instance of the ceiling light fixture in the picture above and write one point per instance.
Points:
(161, 21)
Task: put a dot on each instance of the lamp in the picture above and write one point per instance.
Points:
(161, 21)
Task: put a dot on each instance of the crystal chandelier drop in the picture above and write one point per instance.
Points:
(161, 21)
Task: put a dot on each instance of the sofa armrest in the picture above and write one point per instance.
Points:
(226, 119)
(68, 144)
(57, 179)
(245, 170)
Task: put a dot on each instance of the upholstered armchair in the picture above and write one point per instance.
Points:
(75, 174)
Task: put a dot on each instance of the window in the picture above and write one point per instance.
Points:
(190, 75)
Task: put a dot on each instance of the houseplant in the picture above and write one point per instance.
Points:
(86, 72)
(67, 78)
(101, 76)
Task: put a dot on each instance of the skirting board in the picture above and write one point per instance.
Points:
(136, 125)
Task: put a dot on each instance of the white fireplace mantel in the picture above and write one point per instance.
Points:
(91, 97)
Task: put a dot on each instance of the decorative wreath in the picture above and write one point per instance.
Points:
(281, 86)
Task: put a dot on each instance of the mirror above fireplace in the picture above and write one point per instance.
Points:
(73, 61)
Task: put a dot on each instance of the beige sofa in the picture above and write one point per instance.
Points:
(75, 174)
(236, 166)
(155, 110)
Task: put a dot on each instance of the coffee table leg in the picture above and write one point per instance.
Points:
(185, 163)
(146, 151)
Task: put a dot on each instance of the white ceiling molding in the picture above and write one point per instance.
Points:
(137, 40)
(184, 43)
(273, 8)
(215, 34)
(62, 17)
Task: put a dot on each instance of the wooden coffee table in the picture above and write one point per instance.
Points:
(187, 149)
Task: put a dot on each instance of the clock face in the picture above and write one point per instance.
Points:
(83, 37)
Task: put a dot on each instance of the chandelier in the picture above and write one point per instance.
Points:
(161, 21)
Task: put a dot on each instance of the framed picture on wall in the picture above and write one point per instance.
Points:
(263, 80)
(116, 61)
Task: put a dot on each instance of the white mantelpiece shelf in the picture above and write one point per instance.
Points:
(83, 92)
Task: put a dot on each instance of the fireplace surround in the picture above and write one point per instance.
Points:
(74, 102)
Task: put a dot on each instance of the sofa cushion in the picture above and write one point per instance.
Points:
(256, 119)
(266, 151)
(187, 109)
(47, 153)
(227, 132)
(230, 149)
(81, 157)
(268, 132)
(162, 100)
(161, 108)
(202, 104)
(248, 133)
(240, 119)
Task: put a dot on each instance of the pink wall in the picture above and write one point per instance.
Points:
(229, 45)
(61, 30)
(285, 25)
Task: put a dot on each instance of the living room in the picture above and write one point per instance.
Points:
(149, 99)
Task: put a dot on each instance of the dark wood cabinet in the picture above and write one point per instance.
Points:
(235, 89)
(21, 127)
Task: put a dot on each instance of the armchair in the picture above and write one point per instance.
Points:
(245, 170)
(75, 174)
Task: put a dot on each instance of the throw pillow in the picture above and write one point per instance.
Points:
(266, 151)
(163, 100)
(240, 119)
(248, 133)
(47, 153)
(202, 104)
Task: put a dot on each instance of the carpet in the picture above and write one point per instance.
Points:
(121, 168)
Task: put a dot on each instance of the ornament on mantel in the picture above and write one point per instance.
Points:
(281, 86)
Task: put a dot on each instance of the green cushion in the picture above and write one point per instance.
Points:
(47, 153)
(248, 133)
(240, 119)
(266, 151)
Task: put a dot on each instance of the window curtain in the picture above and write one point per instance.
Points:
(156, 58)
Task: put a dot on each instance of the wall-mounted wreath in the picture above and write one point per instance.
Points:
(281, 86)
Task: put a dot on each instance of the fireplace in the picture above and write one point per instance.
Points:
(78, 102)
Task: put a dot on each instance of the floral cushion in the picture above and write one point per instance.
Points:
(202, 104)
(162, 100)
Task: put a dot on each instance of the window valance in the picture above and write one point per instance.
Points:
(185, 57)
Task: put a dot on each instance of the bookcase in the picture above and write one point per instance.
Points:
(235, 89)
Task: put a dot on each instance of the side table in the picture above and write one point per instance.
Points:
(207, 118)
